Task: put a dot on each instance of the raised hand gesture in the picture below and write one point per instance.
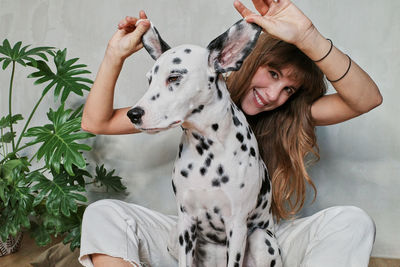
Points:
(128, 38)
(280, 18)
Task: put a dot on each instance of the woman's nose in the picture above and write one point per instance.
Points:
(273, 92)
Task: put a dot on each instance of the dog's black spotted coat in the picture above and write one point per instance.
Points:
(221, 176)
(222, 186)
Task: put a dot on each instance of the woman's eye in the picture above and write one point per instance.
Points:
(289, 90)
(172, 79)
(274, 74)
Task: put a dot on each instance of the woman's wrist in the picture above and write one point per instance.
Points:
(314, 45)
(113, 58)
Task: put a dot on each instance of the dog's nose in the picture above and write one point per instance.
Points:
(135, 115)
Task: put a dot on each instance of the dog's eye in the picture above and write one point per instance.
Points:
(172, 79)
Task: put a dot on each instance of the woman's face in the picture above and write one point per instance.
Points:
(269, 89)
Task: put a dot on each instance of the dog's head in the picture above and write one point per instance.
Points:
(181, 80)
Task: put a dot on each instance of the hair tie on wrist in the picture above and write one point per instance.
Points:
(348, 68)
(330, 49)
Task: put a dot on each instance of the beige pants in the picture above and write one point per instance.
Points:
(337, 236)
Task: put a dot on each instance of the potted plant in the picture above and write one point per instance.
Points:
(48, 200)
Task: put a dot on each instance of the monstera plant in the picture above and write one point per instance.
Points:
(47, 199)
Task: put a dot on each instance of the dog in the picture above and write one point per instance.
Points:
(221, 184)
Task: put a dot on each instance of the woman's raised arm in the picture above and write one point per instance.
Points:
(356, 93)
(99, 115)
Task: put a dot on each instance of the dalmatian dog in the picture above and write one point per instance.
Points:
(221, 184)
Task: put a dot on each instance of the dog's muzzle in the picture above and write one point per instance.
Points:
(135, 115)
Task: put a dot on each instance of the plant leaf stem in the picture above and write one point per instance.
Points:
(9, 102)
(3, 144)
(33, 157)
(14, 152)
(29, 119)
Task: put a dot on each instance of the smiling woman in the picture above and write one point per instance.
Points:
(276, 87)
(270, 89)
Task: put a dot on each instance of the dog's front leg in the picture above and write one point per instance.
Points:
(236, 242)
(187, 229)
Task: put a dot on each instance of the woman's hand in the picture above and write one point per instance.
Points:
(99, 115)
(128, 38)
(282, 19)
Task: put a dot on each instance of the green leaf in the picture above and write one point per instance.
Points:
(24, 198)
(2, 51)
(7, 137)
(65, 80)
(5, 121)
(77, 112)
(58, 140)
(44, 70)
(73, 224)
(7, 47)
(78, 178)
(3, 190)
(21, 165)
(50, 224)
(40, 234)
(6, 63)
(32, 62)
(61, 198)
(73, 236)
(20, 61)
(108, 179)
(55, 223)
(15, 49)
(24, 48)
(22, 55)
(42, 55)
(15, 212)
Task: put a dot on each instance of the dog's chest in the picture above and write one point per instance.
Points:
(211, 171)
(218, 175)
(205, 163)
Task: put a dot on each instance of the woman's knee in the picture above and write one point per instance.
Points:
(357, 220)
(97, 207)
(101, 210)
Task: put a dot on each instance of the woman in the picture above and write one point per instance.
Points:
(280, 88)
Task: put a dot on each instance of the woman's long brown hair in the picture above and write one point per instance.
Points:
(286, 136)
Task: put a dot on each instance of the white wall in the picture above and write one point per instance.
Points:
(360, 159)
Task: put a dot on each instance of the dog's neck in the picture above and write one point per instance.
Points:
(215, 120)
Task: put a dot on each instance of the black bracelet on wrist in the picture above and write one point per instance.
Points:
(348, 68)
(330, 49)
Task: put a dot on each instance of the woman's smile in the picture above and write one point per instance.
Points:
(259, 101)
(269, 89)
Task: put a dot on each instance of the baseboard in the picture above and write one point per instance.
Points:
(384, 262)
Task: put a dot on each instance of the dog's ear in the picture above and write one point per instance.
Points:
(153, 43)
(228, 51)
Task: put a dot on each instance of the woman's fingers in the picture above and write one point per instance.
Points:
(127, 24)
(249, 15)
(262, 6)
(142, 26)
(121, 23)
(242, 9)
(142, 15)
(263, 22)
